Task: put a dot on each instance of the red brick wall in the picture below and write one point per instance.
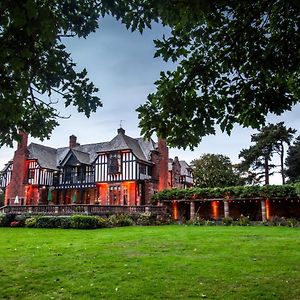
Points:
(163, 164)
(17, 185)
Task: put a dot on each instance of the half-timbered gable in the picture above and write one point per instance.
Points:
(39, 176)
(186, 173)
(123, 159)
(115, 166)
(76, 170)
(42, 165)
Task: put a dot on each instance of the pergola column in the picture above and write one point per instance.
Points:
(226, 209)
(263, 210)
(192, 210)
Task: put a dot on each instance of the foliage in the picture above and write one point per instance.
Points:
(292, 222)
(256, 159)
(6, 219)
(101, 222)
(198, 221)
(84, 222)
(30, 78)
(277, 221)
(2, 218)
(51, 222)
(287, 190)
(243, 221)
(21, 219)
(119, 220)
(146, 219)
(214, 170)
(30, 222)
(228, 221)
(293, 161)
(237, 61)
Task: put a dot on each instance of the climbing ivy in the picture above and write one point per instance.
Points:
(270, 191)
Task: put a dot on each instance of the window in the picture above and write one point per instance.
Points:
(114, 163)
(31, 173)
(142, 169)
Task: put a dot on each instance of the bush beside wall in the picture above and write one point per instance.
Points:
(143, 219)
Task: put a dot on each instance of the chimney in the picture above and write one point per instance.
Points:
(163, 164)
(73, 141)
(22, 143)
(121, 131)
(17, 185)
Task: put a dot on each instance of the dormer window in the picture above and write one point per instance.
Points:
(114, 163)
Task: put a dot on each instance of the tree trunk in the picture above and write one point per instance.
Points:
(282, 163)
(267, 182)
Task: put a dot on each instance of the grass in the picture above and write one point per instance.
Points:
(167, 262)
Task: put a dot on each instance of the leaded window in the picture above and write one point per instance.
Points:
(114, 163)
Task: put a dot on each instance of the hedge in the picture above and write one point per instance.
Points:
(82, 221)
(287, 190)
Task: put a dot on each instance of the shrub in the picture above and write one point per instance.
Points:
(124, 220)
(196, 221)
(45, 222)
(146, 219)
(292, 222)
(84, 222)
(210, 223)
(101, 222)
(278, 221)
(30, 222)
(15, 224)
(2, 218)
(63, 222)
(243, 221)
(228, 221)
(6, 219)
(21, 220)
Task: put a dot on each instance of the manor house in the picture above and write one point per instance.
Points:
(123, 171)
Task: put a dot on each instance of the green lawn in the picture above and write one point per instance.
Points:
(167, 262)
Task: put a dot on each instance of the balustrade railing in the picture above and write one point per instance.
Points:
(89, 209)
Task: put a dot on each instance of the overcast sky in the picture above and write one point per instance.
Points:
(121, 65)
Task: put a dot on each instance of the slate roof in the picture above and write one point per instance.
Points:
(51, 158)
(184, 167)
(46, 156)
(6, 166)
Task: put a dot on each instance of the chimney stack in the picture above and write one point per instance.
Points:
(17, 185)
(73, 141)
(121, 131)
(22, 143)
(163, 164)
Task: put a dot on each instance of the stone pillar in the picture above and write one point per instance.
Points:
(226, 209)
(192, 210)
(263, 210)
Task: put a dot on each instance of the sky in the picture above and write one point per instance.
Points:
(121, 64)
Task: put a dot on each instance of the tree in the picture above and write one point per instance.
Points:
(256, 159)
(293, 161)
(214, 170)
(34, 63)
(237, 61)
(235, 65)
